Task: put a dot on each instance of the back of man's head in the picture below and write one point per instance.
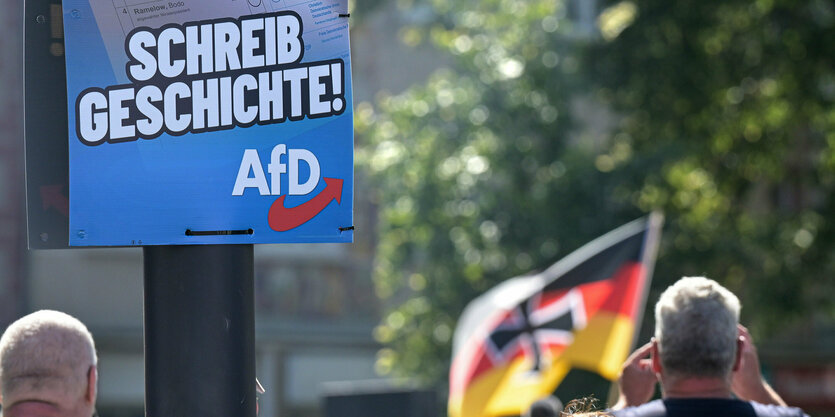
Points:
(48, 358)
(549, 406)
(696, 329)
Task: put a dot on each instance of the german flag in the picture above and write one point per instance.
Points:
(517, 342)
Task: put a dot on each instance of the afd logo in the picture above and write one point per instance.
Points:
(280, 217)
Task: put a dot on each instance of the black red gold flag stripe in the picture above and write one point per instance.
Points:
(517, 342)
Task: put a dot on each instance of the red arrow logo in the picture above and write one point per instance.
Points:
(52, 197)
(282, 219)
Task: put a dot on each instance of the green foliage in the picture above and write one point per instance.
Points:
(361, 9)
(476, 175)
(738, 96)
(719, 112)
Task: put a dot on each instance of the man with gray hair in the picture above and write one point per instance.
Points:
(47, 367)
(702, 358)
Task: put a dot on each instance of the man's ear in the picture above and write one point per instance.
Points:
(92, 380)
(740, 344)
(655, 357)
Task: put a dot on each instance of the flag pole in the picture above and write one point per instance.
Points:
(648, 255)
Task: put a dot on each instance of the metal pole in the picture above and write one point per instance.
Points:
(199, 331)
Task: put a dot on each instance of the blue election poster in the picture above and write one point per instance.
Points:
(209, 121)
